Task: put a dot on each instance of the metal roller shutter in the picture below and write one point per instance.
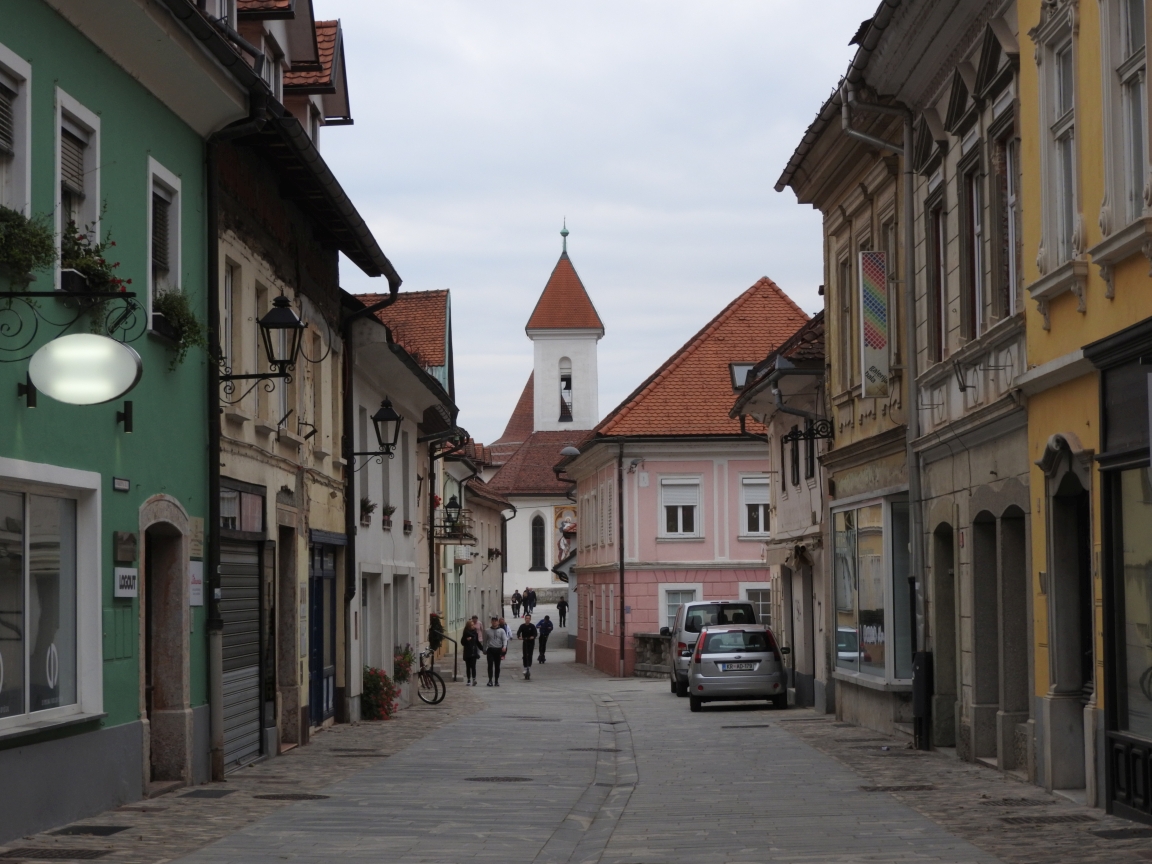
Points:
(240, 609)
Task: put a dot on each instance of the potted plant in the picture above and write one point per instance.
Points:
(407, 526)
(84, 268)
(380, 696)
(26, 244)
(402, 661)
(493, 554)
(172, 318)
(367, 508)
(386, 516)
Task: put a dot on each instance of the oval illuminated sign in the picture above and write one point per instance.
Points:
(84, 369)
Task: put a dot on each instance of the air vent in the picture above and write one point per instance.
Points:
(923, 787)
(499, 779)
(291, 796)
(55, 854)
(90, 830)
(1047, 820)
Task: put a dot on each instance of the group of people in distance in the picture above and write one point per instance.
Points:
(494, 641)
(527, 600)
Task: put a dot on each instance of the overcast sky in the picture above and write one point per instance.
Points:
(657, 127)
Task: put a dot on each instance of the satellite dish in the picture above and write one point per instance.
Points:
(85, 369)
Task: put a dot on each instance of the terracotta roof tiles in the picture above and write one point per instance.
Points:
(477, 488)
(520, 424)
(564, 304)
(528, 471)
(691, 394)
(264, 5)
(418, 321)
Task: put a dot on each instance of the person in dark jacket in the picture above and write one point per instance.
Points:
(470, 643)
(527, 634)
(562, 610)
(530, 600)
(435, 632)
(544, 628)
(517, 599)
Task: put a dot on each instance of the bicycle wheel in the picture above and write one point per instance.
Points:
(427, 688)
(440, 690)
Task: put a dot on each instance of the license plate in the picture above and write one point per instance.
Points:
(738, 667)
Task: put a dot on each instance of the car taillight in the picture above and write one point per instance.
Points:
(699, 649)
(682, 649)
(775, 649)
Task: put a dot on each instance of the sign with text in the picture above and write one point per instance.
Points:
(195, 583)
(127, 582)
(874, 324)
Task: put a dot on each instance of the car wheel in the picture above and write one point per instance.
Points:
(780, 702)
(695, 703)
(681, 686)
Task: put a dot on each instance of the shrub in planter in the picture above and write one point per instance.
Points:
(367, 508)
(93, 273)
(402, 661)
(26, 244)
(380, 695)
(386, 515)
(172, 317)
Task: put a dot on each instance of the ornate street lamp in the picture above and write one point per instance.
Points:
(386, 421)
(281, 318)
(452, 510)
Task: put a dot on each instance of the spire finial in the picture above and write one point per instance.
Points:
(564, 234)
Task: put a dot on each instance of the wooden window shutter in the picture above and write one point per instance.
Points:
(160, 210)
(71, 163)
(7, 122)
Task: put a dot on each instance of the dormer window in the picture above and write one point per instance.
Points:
(565, 390)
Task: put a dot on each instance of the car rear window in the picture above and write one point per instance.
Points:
(732, 642)
(718, 613)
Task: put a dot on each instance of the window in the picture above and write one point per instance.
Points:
(761, 600)
(1063, 132)
(680, 498)
(565, 390)
(611, 609)
(1131, 75)
(870, 549)
(936, 281)
(164, 229)
(229, 299)
(77, 168)
(609, 499)
(972, 299)
(1006, 243)
(794, 456)
(15, 136)
(672, 601)
(847, 332)
(755, 491)
(456, 612)
(273, 69)
(538, 543)
(37, 603)
(405, 476)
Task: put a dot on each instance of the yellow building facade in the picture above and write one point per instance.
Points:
(1087, 238)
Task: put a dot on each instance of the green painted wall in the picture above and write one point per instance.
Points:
(167, 451)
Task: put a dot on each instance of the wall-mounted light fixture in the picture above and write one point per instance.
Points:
(386, 423)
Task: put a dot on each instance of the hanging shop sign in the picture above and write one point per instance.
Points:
(85, 369)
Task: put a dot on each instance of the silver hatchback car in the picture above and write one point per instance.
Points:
(740, 662)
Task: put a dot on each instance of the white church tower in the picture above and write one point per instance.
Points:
(564, 329)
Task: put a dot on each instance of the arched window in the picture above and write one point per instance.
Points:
(565, 390)
(538, 543)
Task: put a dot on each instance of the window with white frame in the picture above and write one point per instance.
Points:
(1131, 73)
(755, 491)
(163, 229)
(78, 167)
(273, 70)
(673, 598)
(50, 655)
(870, 572)
(15, 136)
(680, 500)
(1063, 131)
(761, 600)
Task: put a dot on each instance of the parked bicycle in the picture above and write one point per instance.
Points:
(430, 689)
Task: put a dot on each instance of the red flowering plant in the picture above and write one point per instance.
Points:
(402, 661)
(88, 256)
(380, 697)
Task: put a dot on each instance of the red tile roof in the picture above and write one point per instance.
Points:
(564, 305)
(528, 471)
(418, 321)
(691, 394)
(311, 76)
(477, 488)
(263, 5)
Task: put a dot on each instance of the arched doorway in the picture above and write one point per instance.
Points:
(943, 624)
(164, 686)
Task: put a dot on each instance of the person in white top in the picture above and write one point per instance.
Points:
(496, 641)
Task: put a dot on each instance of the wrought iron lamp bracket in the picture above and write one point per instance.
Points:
(21, 317)
(820, 428)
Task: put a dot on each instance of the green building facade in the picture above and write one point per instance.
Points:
(104, 112)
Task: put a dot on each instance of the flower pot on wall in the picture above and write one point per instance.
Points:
(161, 326)
(386, 523)
(72, 280)
(407, 527)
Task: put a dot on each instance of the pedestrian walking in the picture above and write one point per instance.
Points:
(531, 599)
(562, 610)
(495, 646)
(544, 628)
(527, 634)
(517, 599)
(470, 642)
(507, 629)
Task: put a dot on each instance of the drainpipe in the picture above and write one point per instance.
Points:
(912, 425)
(620, 541)
(504, 520)
(215, 624)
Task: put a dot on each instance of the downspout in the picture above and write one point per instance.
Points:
(215, 624)
(912, 425)
(504, 551)
(620, 542)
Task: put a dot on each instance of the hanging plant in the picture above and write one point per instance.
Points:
(26, 245)
(182, 327)
(84, 267)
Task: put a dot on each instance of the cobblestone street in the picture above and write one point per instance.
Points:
(606, 770)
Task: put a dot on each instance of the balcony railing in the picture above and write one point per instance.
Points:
(455, 528)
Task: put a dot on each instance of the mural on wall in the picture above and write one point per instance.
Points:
(564, 523)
